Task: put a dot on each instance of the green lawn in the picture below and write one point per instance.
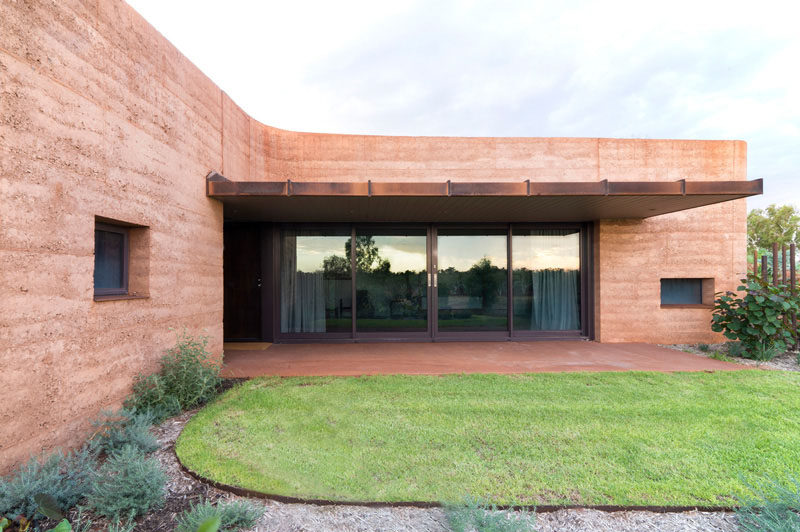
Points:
(586, 438)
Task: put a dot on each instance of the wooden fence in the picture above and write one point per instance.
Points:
(784, 271)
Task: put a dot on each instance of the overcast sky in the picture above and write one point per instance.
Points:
(688, 70)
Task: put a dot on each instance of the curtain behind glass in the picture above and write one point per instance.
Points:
(555, 302)
(546, 274)
(302, 293)
(554, 305)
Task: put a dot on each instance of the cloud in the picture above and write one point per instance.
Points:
(708, 70)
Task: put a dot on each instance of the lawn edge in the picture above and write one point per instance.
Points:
(544, 508)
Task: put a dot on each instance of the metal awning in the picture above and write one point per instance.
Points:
(369, 201)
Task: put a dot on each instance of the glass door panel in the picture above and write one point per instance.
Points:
(316, 281)
(472, 280)
(391, 280)
(546, 279)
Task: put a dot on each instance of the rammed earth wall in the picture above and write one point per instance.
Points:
(102, 116)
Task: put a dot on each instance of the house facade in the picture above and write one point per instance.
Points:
(139, 199)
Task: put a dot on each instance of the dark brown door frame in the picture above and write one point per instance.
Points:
(432, 334)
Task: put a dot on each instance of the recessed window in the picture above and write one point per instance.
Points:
(111, 244)
(121, 260)
(690, 291)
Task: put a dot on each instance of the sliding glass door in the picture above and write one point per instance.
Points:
(546, 279)
(466, 282)
(472, 280)
(391, 280)
(315, 282)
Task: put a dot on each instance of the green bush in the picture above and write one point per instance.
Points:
(703, 347)
(759, 320)
(188, 377)
(735, 349)
(114, 430)
(232, 516)
(64, 477)
(774, 507)
(475, 515)
(128, 484)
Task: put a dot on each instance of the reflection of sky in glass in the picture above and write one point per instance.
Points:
(464, 251)
(312, 250)
(537, 252)
(404, 253)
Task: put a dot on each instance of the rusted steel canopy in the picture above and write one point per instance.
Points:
(288, 201)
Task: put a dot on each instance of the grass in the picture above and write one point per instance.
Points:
(585, 438)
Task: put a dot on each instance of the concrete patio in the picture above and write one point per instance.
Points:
(256, 359)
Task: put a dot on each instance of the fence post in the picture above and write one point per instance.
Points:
(793, 282)
(764, 269)
(775, 264)
(755, 262)
(783, 263)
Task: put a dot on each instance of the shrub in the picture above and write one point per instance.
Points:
(759, 320)
(735, 349)
(64, 477)
(127, 484)
(232, 516)
(114, 430)
(774, 507)
(476, 515)
(188, 377)
(703, 347)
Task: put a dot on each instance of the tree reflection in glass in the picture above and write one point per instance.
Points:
(472, 280)
(316, 281)
(391, 280)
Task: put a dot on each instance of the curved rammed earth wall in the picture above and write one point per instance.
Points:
(99, 116)
(102, 116)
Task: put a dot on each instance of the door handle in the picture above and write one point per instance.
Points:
(435, 278)
(429, 280)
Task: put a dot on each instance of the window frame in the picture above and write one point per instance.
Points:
(125, 232)
(706, 293)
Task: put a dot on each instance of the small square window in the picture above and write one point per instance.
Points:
(687, 292)
(110, 259)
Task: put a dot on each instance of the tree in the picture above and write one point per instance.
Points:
(336, 267)
(482, 278)
(368, 258)
(776, 224)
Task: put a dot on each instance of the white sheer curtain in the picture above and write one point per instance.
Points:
(555, 277)
(302, 293)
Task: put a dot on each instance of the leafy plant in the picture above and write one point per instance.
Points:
(735, 349)
(703, 347)
(188, 377)
(62, 526)
(209, 525)
(774, 507)
(115, 430)
(64, 477)
(475, 515)
(759, 320)
(48, 506)
(127, 484)
(232, 516)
